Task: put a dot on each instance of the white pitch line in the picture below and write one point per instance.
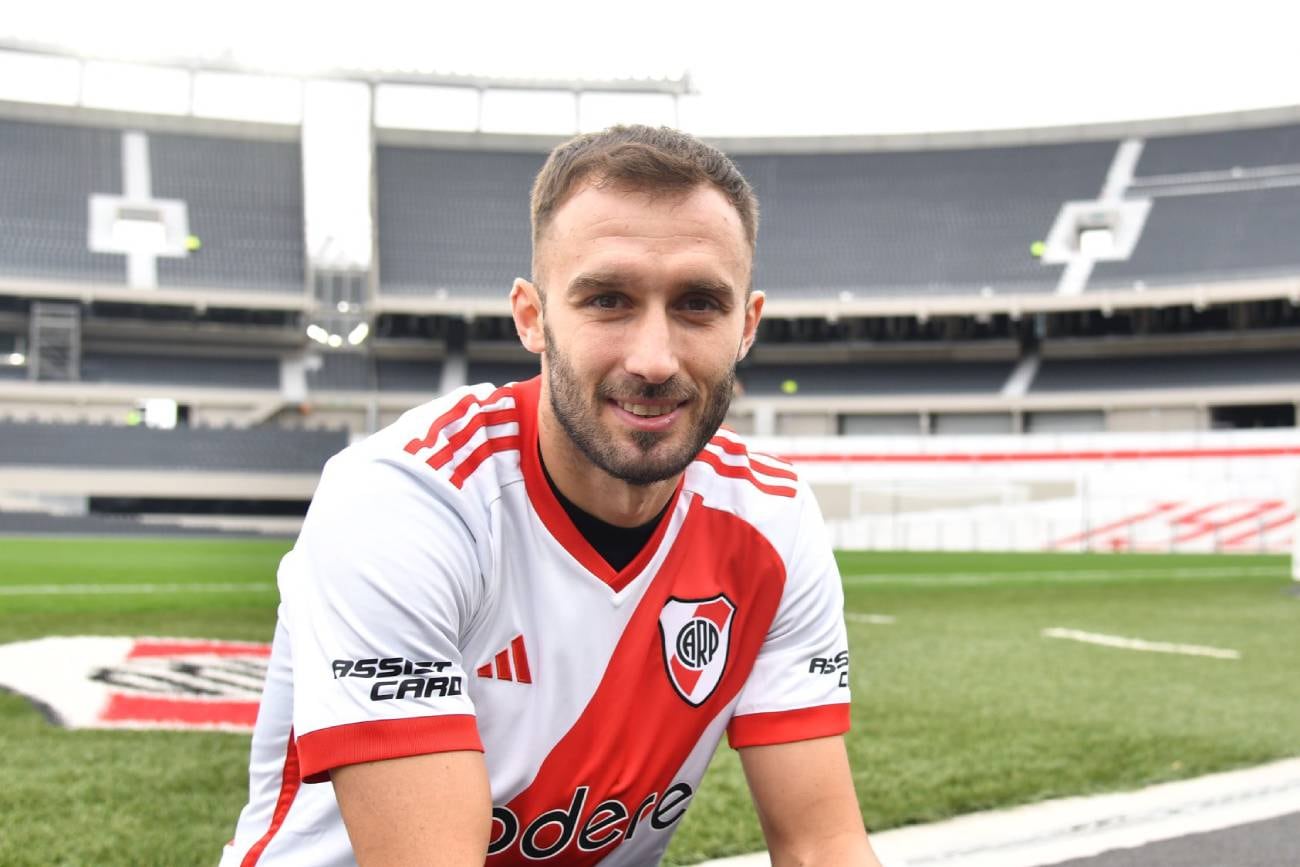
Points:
(874, 619)
(977, 578)
(1050, 832)
(1139, 643)
(96, 589)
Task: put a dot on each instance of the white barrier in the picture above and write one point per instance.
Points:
(1214, 491)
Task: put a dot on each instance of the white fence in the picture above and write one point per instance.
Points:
(1198, 492)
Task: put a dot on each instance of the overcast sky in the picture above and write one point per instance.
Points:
(805, 67)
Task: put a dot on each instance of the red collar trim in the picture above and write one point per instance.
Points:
(555, 519)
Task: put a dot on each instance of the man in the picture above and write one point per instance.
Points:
(519, 620)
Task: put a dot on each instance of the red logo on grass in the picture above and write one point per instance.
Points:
(159, 683)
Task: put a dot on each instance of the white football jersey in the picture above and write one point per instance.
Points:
(440, 598)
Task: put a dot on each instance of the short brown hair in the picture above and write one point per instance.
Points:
(643, 158)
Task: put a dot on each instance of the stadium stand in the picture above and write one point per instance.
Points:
(874, 378)
(180, 370)
(453, 220)
(403, 375)
(1168, 371)
(898, 230)
(502, 371)
(1214, 235)
(928, 221)
(265, 449)
(245, 204)
(343, 371)
(1239, 148)
(47, 174)
(881, 223)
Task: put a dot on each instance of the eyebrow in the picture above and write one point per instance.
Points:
(607, 281)
(595, 282)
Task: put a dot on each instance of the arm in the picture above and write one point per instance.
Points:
(442, 800)
(804, 795)
(380, 585)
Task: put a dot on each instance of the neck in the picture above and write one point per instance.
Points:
(592, 489)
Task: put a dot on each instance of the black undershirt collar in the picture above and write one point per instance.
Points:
(617, 545)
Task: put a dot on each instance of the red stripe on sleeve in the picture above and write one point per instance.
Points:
(439, 423)
(456, 412)
(373, 741)
(733, 471)
(481, 454)
(786, 726)
(480, 420)
(732, 447)
(289, 782)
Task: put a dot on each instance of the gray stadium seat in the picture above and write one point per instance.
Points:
(1217, 235)
(181, 370)
(245, 205)
(418, 376)
(870, 378)
(1200, 152)
(47, 174)
(343, 371)
(1167, 371)
(264, 449)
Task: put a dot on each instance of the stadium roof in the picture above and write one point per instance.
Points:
(829, 69)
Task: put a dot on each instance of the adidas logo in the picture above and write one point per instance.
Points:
(510, 664)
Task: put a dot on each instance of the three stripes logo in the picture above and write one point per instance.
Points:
(509, 664)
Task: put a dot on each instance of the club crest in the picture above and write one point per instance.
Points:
(696, 637)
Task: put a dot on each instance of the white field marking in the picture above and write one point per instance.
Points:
(1139, 643)
(1067, 828)
(95, 589)
(978, 578)
(874, 619)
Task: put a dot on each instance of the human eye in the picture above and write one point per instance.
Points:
(700, 303)
(605, 301)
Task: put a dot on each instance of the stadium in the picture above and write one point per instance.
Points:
(1044, 382)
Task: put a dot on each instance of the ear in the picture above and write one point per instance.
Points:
(753, 313)
(526, 307)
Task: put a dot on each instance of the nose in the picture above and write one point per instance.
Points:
(648, 351)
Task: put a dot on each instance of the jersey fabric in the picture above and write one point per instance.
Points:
(440, 598)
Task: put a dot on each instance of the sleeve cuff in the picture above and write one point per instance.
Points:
(322, 750)
(786, 726)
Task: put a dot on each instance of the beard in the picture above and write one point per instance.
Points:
(651, 458)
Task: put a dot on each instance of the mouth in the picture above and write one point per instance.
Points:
(653, 415)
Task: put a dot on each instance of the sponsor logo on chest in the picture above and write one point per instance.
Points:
(696, 636)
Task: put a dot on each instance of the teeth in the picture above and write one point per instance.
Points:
(645, 411)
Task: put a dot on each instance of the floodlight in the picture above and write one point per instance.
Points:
(358, 334)
(315, 332)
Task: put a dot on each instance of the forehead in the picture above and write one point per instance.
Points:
(698, 225)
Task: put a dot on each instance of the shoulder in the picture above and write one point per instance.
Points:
(760, 489)
(459, 449)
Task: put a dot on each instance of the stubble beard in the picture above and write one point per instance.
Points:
(579, 415)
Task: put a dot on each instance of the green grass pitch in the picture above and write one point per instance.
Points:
(960, 704)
